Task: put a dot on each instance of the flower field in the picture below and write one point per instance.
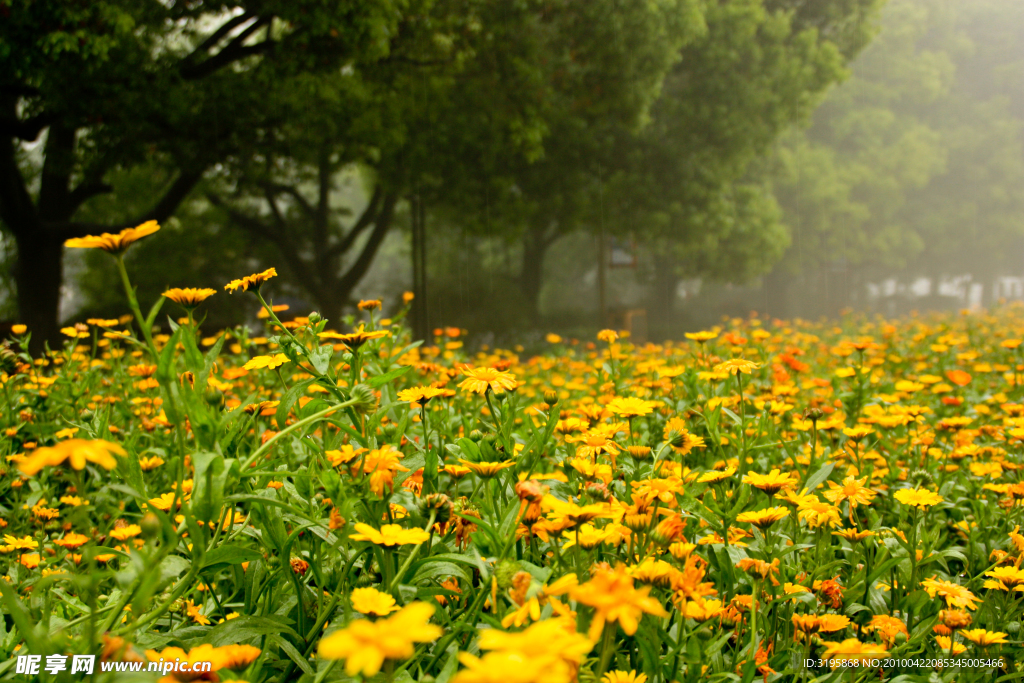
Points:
(334, 501)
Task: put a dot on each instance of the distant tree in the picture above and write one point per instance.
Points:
(678, 178)
(915, 165)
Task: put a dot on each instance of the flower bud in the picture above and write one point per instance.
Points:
(440, 503)
(365, 399)
(150, 525)
(550, 397)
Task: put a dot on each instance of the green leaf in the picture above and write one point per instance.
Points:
(293, 654)
(248, 627)
(320, 357)
(819, 477)
(288, 400)
(381, 380)
(230, 554)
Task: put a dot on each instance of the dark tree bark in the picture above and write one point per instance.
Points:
(536, 241)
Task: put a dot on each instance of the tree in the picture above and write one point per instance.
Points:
(109, 84)
(914, 166)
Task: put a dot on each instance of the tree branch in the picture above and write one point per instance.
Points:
(163, 209)
(218, 36)
(260, 229)
(368, 218)
(291, 192)
(380, 230)
(85, 191)
(232, 52)
(25, 129)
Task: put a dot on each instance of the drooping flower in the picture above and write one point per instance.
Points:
(114, 244)
(256, 280)
(983, 638)
(189, 297)
(773, 482)
(763, 519)
(389, 535)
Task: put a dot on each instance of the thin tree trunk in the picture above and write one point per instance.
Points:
(536, 242)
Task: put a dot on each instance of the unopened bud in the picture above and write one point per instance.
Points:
(150, 525)
(550, 397)
(365, 401)
(441, 504)
(639, 452)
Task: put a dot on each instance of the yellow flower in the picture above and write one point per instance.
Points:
(773, 482)
(632, 407)
(193, 612)
(30, 560)
(701, 337)
(114, 244)
(983, 638)
(268, 362)
(614, 599)
(255, 280)
(419, 395)
(763, 519)
(549, 651)
(623, 677)
(851, 649)
(365, 645)
(919, 498)
(126, 532)
(716, 476)
(487, 469)
(954, 594)
(150, 463)
(1006, 578)
(356, 338)
(15, 543)
(189, 297)
(72, 540)
(479, 380)
(608, 336)
(853, 490)
(78, 451)
(19, 329)
(853, 535)
(389, 535)
(369, 600)
(735, 366)
(816, 513)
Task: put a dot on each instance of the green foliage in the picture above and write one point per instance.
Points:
(915, 162)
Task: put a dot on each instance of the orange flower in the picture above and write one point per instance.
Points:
(614, 599)
(114, 244)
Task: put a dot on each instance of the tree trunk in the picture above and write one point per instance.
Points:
(531, 275)
(663, 297)
(39, 275)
